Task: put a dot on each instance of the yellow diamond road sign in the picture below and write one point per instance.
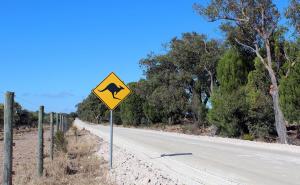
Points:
(112, 91)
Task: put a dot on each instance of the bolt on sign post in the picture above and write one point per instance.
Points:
(111, 91)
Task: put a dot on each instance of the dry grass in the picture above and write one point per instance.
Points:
(79, 166)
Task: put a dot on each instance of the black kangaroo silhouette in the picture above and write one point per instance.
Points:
(114, 89)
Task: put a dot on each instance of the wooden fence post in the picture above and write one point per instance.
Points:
(61, 122)
(57, 122)
(51, 134)
(40, 161)
(64, 125)
(8, 138)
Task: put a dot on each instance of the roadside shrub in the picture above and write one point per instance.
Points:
(116, 116)
(75, 132)
(60, 142)
(248, 137)
(260, 112)
(229, 113)
(191, 129)
(229, 107)
(132, 108)
(289, 90)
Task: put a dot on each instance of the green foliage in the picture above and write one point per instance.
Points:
(116, 116)
(17, 113)
(256, 28)
(73, 115)
(171, 100)
(248, 137)
(91, 109)
(154, 114)
(164, 90)
(60, 142)
(289, 90)
(186, 71)
(229, 107)
(26, 117)
(232, 71)
(22, 116)
(199, 111)
(195, 70)
(196, 57)
(229, 112)
(293, 14)
(132, 108)
(260, 113)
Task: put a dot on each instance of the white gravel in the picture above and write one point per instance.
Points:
(128, 169)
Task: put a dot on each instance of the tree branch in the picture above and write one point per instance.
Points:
(229, 19)
(246, 46)
(271, 30)
(291, 64)
(260, 57)
(205, 47)
(256, 51)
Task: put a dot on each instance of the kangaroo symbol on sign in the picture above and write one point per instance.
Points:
(114, 89)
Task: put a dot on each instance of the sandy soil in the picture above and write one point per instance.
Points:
(24, 150)
(80, 165)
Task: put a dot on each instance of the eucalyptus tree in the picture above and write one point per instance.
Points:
(293, 14)
(131, 109)
(185, 76)
(196, 57)
(261, 18)
(290, 93)
(166, 94)
(91, 109)
(260, 120)
(229, 108)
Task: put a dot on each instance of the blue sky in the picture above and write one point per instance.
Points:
(53, 53)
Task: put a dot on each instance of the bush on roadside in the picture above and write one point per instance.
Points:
(60, 142)
(248, 137)
(75, 132)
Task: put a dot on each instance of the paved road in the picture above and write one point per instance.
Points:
(207, 160)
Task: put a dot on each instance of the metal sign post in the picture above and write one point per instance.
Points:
(111, 91)
(111, 139)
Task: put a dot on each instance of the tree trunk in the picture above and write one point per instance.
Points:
(211, 77)
(279, 118)
(211, 83)
(274, 91)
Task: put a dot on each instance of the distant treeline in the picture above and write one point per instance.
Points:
(241, 84)
(21, 116)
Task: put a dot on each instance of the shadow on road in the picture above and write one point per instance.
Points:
(175, 154)
(172, 155)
